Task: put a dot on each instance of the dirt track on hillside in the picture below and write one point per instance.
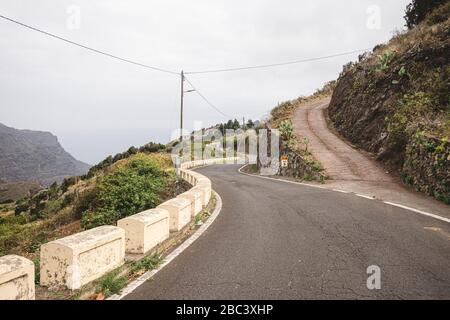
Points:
(341, 161)
(350, 169)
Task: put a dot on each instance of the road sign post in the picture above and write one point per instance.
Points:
(284, 161)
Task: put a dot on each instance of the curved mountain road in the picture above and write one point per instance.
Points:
(275, 240)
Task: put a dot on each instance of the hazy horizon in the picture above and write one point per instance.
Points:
(98, 106)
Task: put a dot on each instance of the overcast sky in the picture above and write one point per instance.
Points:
(99, 106)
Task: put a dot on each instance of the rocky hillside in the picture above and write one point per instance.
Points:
(119, 186)
(394, 102)
(36, 156)
(12, 191)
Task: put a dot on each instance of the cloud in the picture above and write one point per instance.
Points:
(48, 85)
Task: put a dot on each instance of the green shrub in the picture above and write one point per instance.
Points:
(129, 189)
(37, 241)
(322, 179)
(152, 147)
(148, 148)
(147, 263)
(68, 199)
(407, 179)
(21, 206)
(443, 197)
(286, 130)
(111, 283)
(385, 60)
(84, 202)
(404, 123)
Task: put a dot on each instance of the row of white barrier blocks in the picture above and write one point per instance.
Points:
(78, 259)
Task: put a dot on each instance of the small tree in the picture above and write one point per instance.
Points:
(306, 142)
(417, 11)
(222, 128)
(236, 124)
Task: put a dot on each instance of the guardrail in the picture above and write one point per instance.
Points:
(16, 278)
(78, 259)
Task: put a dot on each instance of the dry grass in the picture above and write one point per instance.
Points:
(425, 35)
(17, 190)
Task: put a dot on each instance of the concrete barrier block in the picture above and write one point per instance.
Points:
(200, 163)
(193, 176)
(207, 162)
(203, 181)
(145, 230)
(230, 161)
(196, 197)
(16, 278)
(190, 178)
(83, 257)
(206, 192)
(179, 213)
(185, 175)
(201, 191)
(197, 175)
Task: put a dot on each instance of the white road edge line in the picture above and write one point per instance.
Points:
(146, 276)
(431, 215)
(341, 191)
(418, 211)
(364, 196)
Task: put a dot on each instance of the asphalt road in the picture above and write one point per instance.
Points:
(274, 240)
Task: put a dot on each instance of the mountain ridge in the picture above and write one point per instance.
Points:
(28, 155)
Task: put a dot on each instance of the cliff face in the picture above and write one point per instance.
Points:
(394, 103)
(27, 155)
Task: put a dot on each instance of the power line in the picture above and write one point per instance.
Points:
(277, 64)
(177, 73)
(88, 48)
(207, 101)
(174, 72)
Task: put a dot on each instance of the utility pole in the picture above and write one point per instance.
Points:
(181, 112)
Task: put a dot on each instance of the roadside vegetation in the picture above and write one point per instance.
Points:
(132, 186)
(113, 282)
(117, 187)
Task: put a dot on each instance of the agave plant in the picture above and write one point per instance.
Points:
(286, 129)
